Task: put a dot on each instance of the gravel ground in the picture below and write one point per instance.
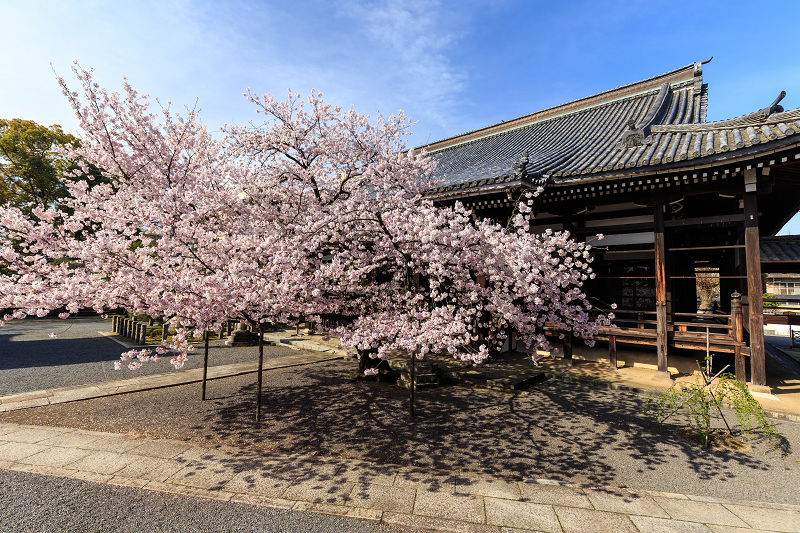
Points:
(34, 503)
(30, 360)
(558, 430)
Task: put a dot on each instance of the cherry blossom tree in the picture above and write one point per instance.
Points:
(316, 211)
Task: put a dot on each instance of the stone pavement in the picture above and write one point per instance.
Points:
(40, 398)
(406, 497)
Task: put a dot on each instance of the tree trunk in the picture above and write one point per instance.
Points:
(363, 357)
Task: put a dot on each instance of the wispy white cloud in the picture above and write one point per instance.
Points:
(410, 46)
(377, 56)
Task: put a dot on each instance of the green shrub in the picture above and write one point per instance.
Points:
(702, 403)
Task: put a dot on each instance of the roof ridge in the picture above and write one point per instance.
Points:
(546, 113)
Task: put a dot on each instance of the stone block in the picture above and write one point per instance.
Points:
(575, 520)
(521, 515)
(463, 507)
(395, 499)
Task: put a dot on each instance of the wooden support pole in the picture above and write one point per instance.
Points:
(612, 351)
(661, 291)
(413, 386)
(737, 322)
(755, 289)
(205, 365)
(260, 371)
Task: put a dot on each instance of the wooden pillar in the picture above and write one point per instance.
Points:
(661, 292)
(612, 350)
(755, 289)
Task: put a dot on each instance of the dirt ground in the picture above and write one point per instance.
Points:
(557, 430)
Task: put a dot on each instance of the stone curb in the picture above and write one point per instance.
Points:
(26, 400)
(394, 495)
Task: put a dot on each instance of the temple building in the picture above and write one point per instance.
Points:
(683, 205)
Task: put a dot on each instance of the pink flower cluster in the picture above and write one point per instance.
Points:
(178, 361)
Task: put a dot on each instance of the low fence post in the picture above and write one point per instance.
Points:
(143, 334)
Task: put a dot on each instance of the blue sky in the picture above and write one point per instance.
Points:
(451, 66)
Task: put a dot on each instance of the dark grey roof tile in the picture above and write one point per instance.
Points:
(780, 248)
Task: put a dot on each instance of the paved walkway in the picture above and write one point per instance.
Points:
(393, 495)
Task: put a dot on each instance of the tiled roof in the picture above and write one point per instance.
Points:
(780, 249)
(645, 124)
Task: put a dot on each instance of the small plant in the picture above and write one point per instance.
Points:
(770, 301)
(702, 402)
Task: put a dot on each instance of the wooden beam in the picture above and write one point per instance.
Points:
(702, 221)
(693, 248)
(755, 289)
(618, 228)
(661, 290)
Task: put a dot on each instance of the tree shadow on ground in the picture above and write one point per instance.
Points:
(557, 431)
